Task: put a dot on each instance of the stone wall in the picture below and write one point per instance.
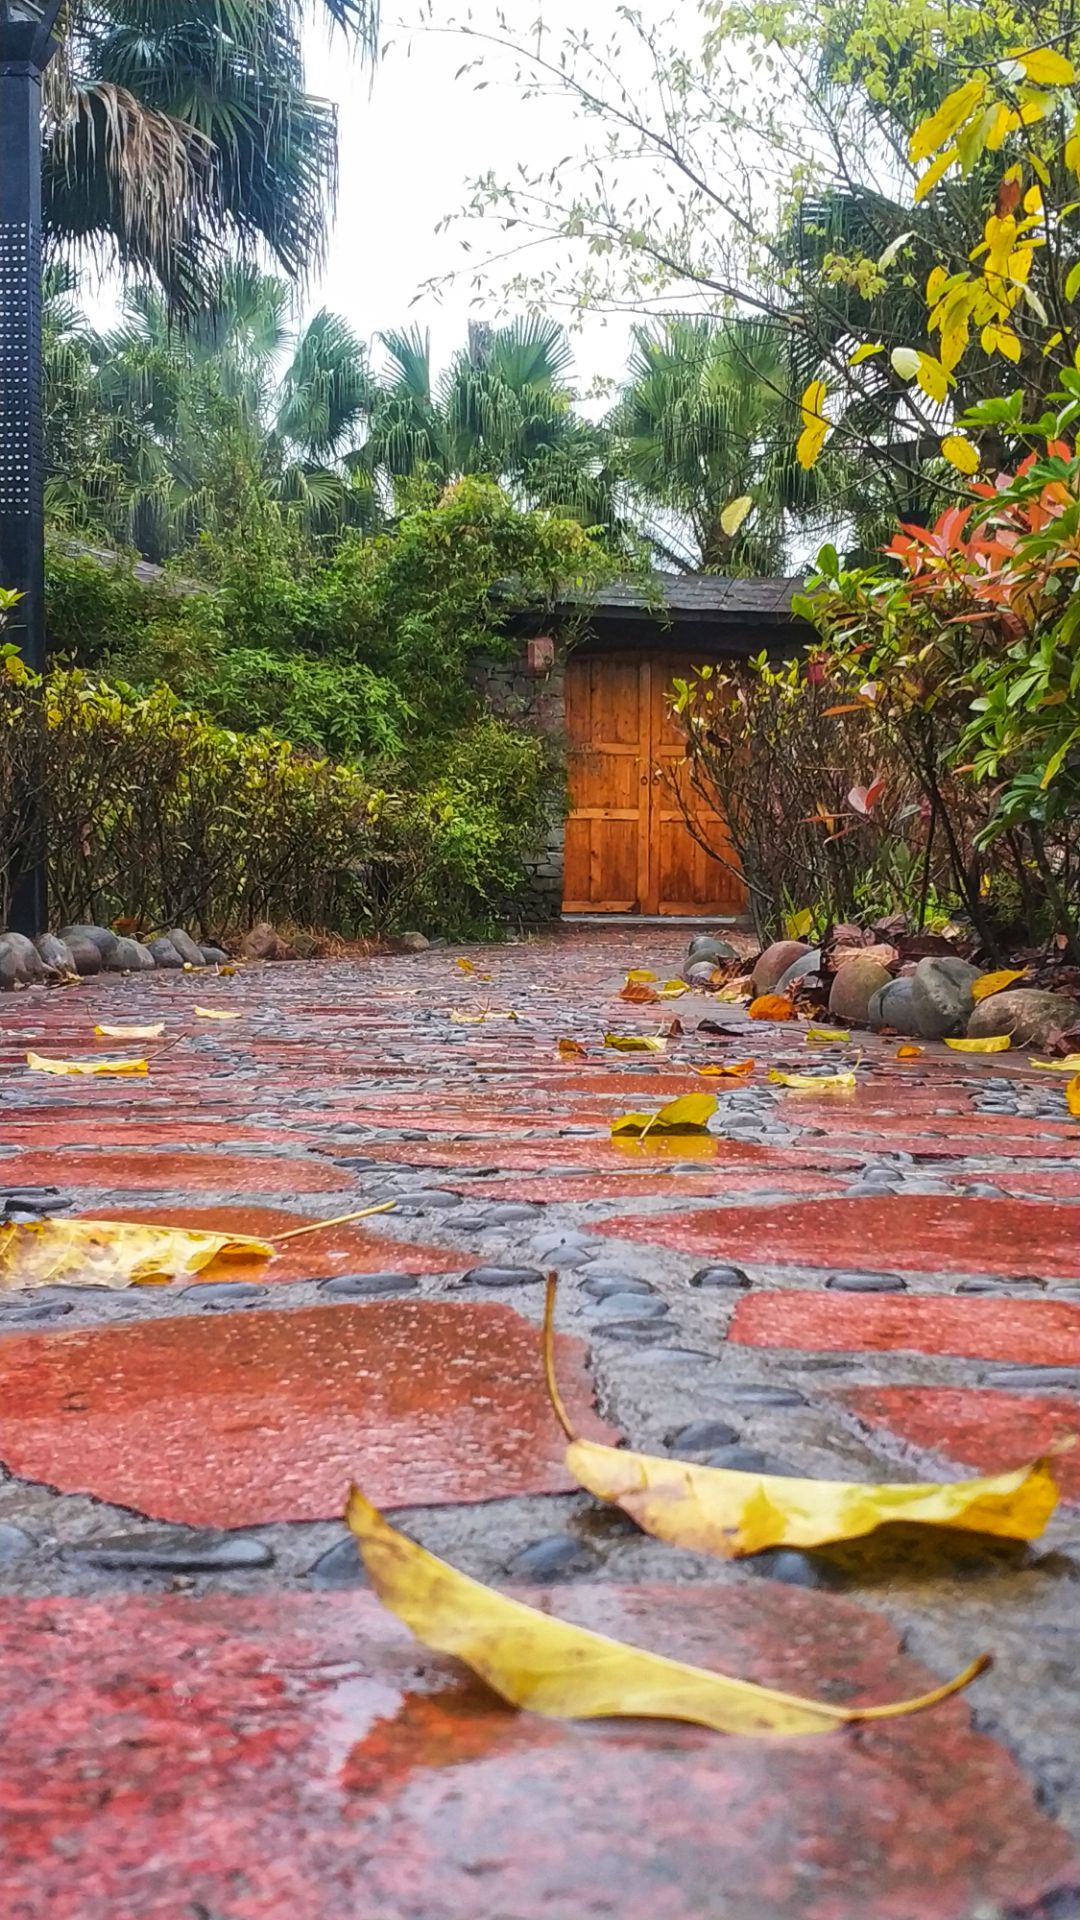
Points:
(528, 690)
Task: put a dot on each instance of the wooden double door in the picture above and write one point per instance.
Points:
(628, 847)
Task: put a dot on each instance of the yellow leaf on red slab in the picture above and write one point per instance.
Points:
(571, 1050)
(637, 992)
(216, 1013)
(38, 1064)
(908, 1053)
(564, 1672)
(673, 989)
(824, 1036)
(717, 1510)
(1072, 1096)
(635, 1042)
(994, 1043)
(989, 983)
(1069, 1064)
(641, 977)
(112, 1253)
(812, 1082)
(772, 1006)
(689, 1114)
(737, 1070)
(132, 1033)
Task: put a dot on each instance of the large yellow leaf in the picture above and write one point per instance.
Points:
(673, 989)
(112, 1253)
(956, 107)
(798, 925)
(1046, 67)
(735, 513)
(905, 362)
(821, 1036)
(716, 1510)
(816, 428)
(960, 453)
(1072, 1096)
(132, 1033)
(690, 1114)
(216, 1013)
(640, 977)
(564, 1672)
(994, 1043)
(940, 165)
(989, 983)
(635, 1042)
(38, 1064)
(126, 1253)
(1070, 1064)
(812, 1082)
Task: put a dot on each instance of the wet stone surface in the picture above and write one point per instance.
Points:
(207, 1714)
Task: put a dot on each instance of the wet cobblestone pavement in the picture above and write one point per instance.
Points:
(202, 1714)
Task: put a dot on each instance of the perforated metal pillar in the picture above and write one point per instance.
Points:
(22, 522)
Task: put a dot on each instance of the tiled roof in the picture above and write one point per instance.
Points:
(706, 595)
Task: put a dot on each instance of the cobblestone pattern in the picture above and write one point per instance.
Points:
(875, 1287)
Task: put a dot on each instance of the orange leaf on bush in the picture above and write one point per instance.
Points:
(772, 1006)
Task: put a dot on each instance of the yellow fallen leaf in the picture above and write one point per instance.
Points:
(227, 972)
(908, 1053)
(1069, 1064)
(1072, 1096)
(37, 1063)
(571, 1050)
(635, 1042)
(564, 1672)
(128, 1253)
(640, 977)
(988, 983)
(672, 989)
(994, 1043)
(690, 1114)
(464, 966)
(112, 1253)
(738, 1070)
(812, 1082)
(478, 1019)
(132, 1033)
(739, 989)
(216, 1013)
(717, 1510)
(823, 1036)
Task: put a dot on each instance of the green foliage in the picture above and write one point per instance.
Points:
(338, 707)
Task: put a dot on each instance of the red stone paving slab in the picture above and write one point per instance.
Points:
(909, 1232)
(44, 1131)
(177, 1172)
(1029, 1332)
(630, 1185)
(597, 1154)
(1032, 1140)
(975, 1427)
(231, 1420)
(298, 1757)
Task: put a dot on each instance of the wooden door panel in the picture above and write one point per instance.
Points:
(685, 879)
(606, 860)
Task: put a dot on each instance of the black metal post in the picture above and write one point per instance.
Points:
(22, 513)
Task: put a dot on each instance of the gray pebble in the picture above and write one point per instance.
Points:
(866, 1283)
(740, 1459)
(430, 1201)
(504, 1277)
(794, 1569)
(216, 1294)
(600, 1288)
(702, 1435)
(1048, 1377)
(719, 1277)
(14, 1543)
(752, 1395)
(181, 1552)
(340, 1566)
(617, 1306)
(361, 1286)
(552, 1558)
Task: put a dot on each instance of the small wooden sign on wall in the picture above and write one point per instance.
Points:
(541, 653)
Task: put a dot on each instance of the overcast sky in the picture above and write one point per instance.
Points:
(411, 140)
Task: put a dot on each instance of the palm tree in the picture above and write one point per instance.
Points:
(706, 417)
(203, 428)
(180, 131)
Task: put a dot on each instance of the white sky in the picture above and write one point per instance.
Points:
(412, 138)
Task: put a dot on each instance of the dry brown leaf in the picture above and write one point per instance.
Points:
(571, 1050)
(639, 994)
(772, 1006)
(551, 1667)
(738, 1070)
